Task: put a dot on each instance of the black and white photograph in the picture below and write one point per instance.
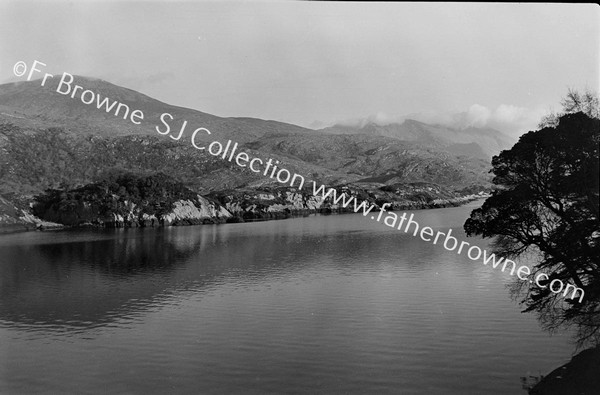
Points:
(299, 197)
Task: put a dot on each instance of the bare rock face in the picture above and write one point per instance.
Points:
(274, 203)
(184, 212)
(15, 219)
(191, 212)
(281, 202)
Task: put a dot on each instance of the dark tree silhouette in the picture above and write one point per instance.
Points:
(547, 204)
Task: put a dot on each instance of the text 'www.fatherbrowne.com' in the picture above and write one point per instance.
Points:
(269, 168)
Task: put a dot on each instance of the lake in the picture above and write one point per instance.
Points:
(322, 304)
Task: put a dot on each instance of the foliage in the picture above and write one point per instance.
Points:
(33, 161)
(117, 193)
(586, 102)
(547, 204)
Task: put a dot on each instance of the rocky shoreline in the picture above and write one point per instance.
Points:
(234, 206)
(277, 203)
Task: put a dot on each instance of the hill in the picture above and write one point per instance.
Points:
(382, 159)
(29, 105)
(480, 143)
(50, 140)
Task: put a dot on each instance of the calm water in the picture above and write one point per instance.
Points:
(324, 304)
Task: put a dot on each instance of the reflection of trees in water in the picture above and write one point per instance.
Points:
(118, 274)
(546, 204)
(89, 283)
(146, 251)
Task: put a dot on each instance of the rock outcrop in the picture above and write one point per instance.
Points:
(199, 211)
(281, 202)
(15, 219)
(184, 212)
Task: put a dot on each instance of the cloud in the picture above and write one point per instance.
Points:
(510, 119)
(478, 116)
(516, 119)
(380, 118)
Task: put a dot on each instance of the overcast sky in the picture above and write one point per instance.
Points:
(300, 62)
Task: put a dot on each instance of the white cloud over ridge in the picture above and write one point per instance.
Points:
(506, 117)
(510, 119)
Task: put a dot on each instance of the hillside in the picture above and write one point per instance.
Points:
(383, 159)
(49, 140)
(32, 161)
(480, 143)
(29, 105)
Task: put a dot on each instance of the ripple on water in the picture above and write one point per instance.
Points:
(322, 304)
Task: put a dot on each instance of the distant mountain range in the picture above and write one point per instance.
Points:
(475, 142)
(87, 141)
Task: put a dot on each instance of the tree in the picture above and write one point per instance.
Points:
(546, 205)
(575, 101)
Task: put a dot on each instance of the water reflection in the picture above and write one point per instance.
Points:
(107, 275)
(99, 276)
(318, 304)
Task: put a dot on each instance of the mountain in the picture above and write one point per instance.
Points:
(50, 140)
(475, 142)
(29, 105)
(32, 161)
(382, 159)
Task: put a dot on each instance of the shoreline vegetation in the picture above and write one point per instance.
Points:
(127, 200)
